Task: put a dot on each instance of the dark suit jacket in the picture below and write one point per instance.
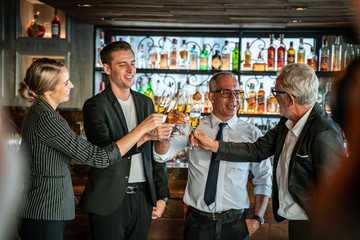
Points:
(319, 143)
(104, 122)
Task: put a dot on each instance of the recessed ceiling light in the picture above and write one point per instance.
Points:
(294, 21)
(299, 8)
(84, 5)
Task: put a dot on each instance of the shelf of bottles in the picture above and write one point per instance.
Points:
(189, 63)
(39, 20)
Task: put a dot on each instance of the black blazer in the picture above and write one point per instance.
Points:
(104, 122)
(319, 144)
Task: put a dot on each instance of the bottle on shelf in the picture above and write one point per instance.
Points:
(225, 57)
(247, 58)
(291, 54)
(336, 52)
(204, 58)
(35, 28)
(183, 56)
(216, 61)
(301, 52)
(173, 55)
(261, 100)
(193, 58)
(235, 58)
(260, 64)
(320, 96)
(177, 92)
(164, 57)
(324, 55)
(281, 53)
(153, 56)
(141, 89)
(271, 104)
(241, 109)
(271, 55)
(142, 57)
(157, 96)
(312, 59)
(55, 26)
(197, 98)
(149, 92)
(102, 86)
(207, 102)
(101, 46)
(251, 100)
(188, 107)
(349, 55)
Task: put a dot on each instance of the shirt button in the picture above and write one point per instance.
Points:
(126, 177)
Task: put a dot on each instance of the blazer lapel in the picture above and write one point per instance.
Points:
(139, 107)
(114, 101)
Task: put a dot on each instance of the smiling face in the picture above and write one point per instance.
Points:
(225, 108)
(61, 92)
(122, 69)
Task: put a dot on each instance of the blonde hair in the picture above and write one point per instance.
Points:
(41, 76)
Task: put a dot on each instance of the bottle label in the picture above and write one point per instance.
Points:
(291, 58)
(173, 59)
(203, 63)
(216, 63)
(55, 29)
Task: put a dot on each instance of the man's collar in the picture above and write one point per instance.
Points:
(216, 121)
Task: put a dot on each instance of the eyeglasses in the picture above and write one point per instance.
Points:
(226, 93)
(273, 92)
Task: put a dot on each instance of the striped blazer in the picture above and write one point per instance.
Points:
(49, 144)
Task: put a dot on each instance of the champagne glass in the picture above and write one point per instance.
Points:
(180, 105)
(164, 104)
(194, 119)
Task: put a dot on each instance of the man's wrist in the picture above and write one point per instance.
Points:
(165, 199)
(215, 147)
(259, 219)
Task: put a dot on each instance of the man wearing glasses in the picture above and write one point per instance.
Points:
(304, 144)
(216, 194)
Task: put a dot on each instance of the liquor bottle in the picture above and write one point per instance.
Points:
(271, 104)
(204, 58)
(320, 96)
(207, 102)
(260, 64)
(241, 109)
(336, 52)
(281, 53)
(324, 55)
(251, 100)
(102, 86)
(312, 59)
(271, 55)
(301, 52)
(349, 55)
(178, 90)
(197, 98)
(193, 58)
(235, 58)
(247, 61)
(157, 96)
(149, 92)
(101, 46)
(142, 57)
(225, 57)
(164, 57)
(188, 107)
(216, 61)
(141, 89)
(261, 100)
(35, 29)
(291, 54)
(184, 56)
(153, 57)
(173, 55)
(55, 26)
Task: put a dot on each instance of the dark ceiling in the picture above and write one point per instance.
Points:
(209, 13)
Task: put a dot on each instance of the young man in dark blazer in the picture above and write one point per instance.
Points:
(122, 199)
(305, 143)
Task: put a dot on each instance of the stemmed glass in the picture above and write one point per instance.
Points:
(180, 105)
(164, 104)
(194, 119)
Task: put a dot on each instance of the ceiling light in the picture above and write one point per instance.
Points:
(299, 8)
(84, 5)
(294, 21)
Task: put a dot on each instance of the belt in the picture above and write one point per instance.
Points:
(133, 188)
(219, 215)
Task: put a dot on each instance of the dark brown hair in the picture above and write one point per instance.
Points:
(105, 53)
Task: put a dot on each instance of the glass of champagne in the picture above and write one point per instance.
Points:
(180, 106)
(164, 104)
(194, 119)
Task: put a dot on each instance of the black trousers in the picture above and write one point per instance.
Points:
(131, 221)
(198, 227)
(298, 229)
(33, 229)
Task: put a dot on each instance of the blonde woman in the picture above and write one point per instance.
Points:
(49, 144)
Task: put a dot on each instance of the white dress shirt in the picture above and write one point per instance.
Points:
(231, 190)
(288, 208)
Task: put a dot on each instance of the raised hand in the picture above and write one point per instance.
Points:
(151, 122)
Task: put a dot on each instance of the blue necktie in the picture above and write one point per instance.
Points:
(211, 182)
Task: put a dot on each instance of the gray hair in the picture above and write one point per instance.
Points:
(215, 79)
(301, 81)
